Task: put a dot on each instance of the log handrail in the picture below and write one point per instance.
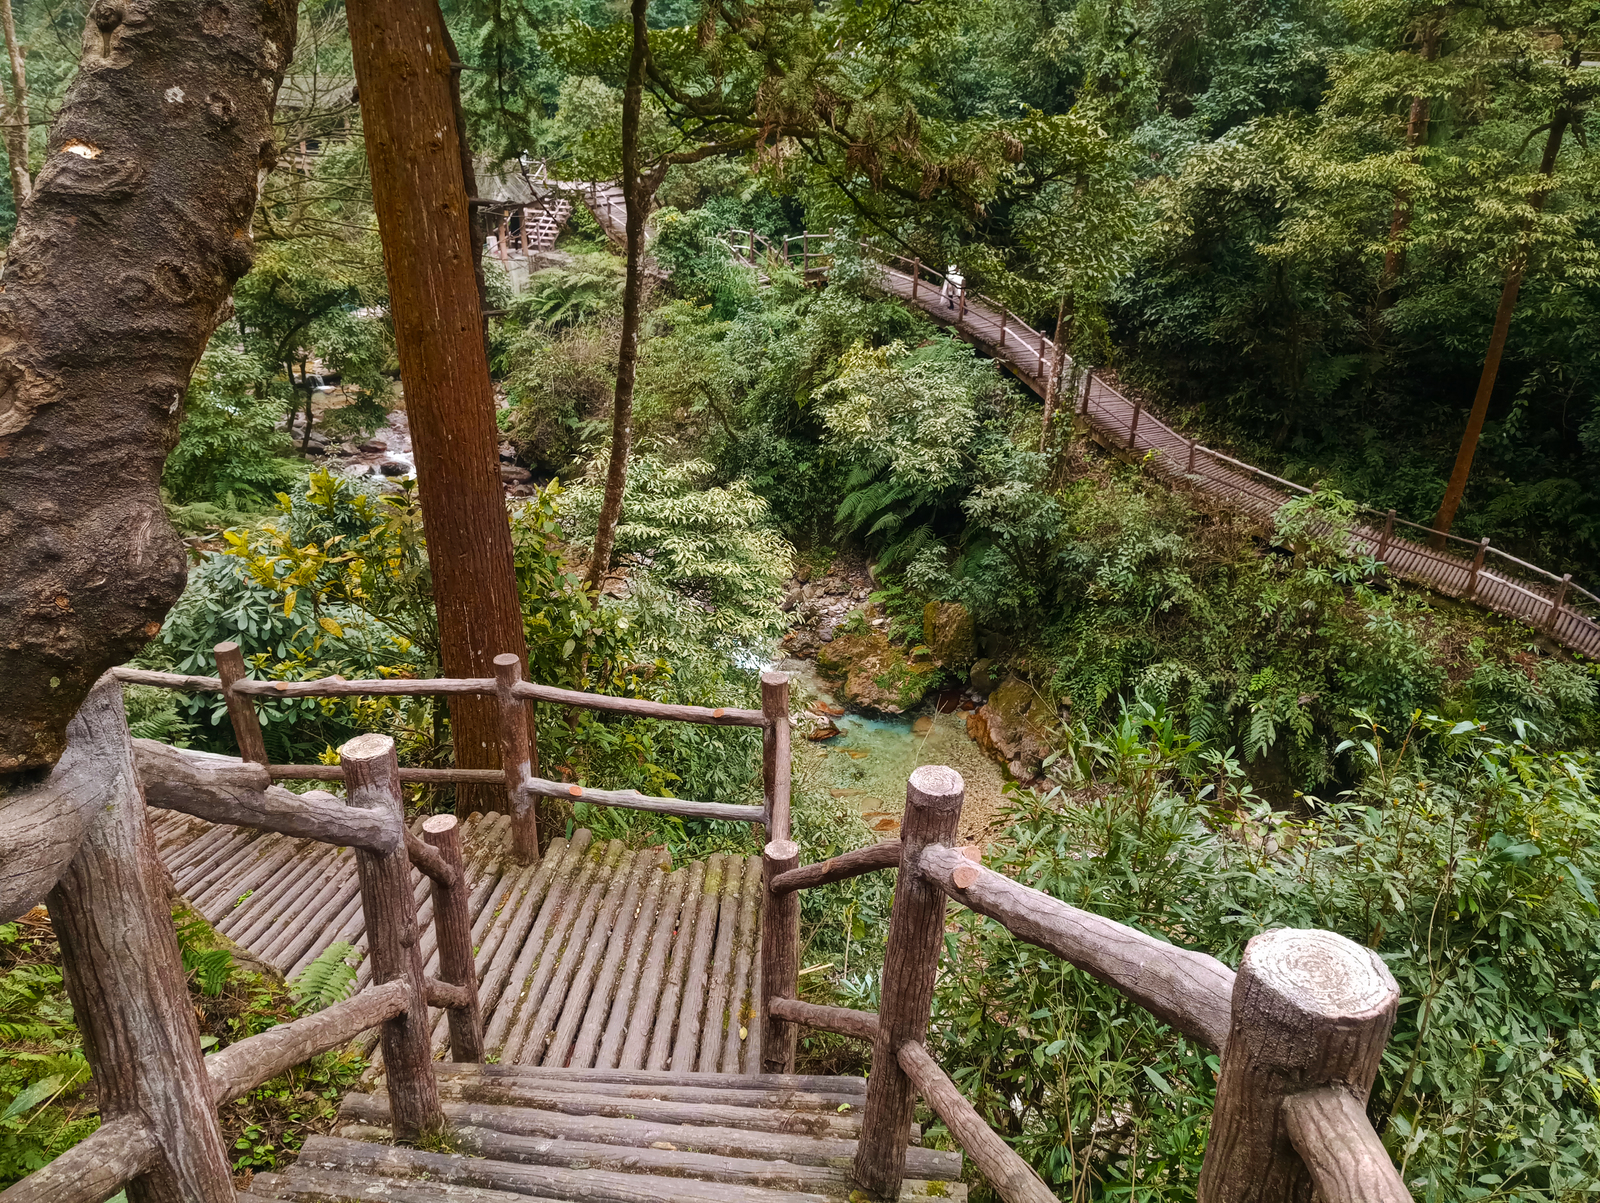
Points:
(884, 855)
(95, 1168)
(1189, 990)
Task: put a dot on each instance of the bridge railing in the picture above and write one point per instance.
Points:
(158, 1096)
(1473, 570)
(1300, 1028)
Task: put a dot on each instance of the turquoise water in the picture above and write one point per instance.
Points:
(867, 763)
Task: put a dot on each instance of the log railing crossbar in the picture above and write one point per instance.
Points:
(109, 887)
(1503, 583)
(1297, 1058)
(518, 738)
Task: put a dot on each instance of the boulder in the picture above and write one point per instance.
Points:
(391, 467)
(1012, 726)
(982, 677)
(373, 445)
(949, 632)
(823, 729)
(877, 675)
(513, 474)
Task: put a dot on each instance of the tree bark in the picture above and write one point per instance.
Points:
(124, 258)
(636, 195)
(16, 112)
(403, 70)
(124, 975)
(1497, 343)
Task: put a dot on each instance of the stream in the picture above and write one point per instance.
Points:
(867, 763)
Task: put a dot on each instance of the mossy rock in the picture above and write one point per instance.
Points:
(877, 675)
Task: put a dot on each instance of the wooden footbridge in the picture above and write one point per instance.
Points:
(1448, 564)
(619, 1030)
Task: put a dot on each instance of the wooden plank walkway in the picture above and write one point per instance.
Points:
(1133, 431)
(606, 1136)
(594, 957)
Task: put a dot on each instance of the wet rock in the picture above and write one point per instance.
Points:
(391, 467)
(512, 474)
(949, 632)
(1012, 727)
(982, 677)
(922, 726)
(823, 729)
(791, 600)
(877, 675)
(373, 446)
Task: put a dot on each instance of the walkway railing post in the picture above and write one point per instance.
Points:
(372, 782)
(241, 710)
(1133, 426)
(124, 975)
(518, 757)
(780, 956)
(1084, 405)
(911, 960)
(1002, 327)
(1188, 468)
(1477, 565)
(775, 740)
(1310, 1009)
(1556, 603)
(1041, 355)
(452, 923)
(1388, 533)
(916, 277)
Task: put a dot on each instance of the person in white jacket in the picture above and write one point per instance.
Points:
(954, 284)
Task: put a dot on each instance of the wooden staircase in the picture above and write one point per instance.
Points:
(609, 1136)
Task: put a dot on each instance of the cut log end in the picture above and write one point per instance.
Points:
(1320, 973)
(438, 824)
(782, 850)
(370, 746)
(936, 785)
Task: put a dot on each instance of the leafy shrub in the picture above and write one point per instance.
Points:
(230, 450)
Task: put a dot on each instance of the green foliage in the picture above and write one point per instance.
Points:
(1468, 869)
(229, 450)
(328, 979)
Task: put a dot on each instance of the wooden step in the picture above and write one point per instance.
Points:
(667, 1087)
(332, 1168)
(722, 1142)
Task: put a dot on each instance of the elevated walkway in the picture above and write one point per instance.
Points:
(608, 1136)
(594, 956)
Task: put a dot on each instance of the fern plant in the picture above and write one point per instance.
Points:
(208, 968)
(329, 979)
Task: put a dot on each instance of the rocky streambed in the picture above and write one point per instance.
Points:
(878, 697)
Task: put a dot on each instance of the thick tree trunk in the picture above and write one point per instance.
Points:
(137, 228)
(636, 195)
(1497, 345)
(16, 133)
(403, 70)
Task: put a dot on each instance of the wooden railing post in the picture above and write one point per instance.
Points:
(1133, 426)
(1310, 1009)
(1388, 533)
(916, 276)
(775, 737)
(372, 782)
(124, 975)
(1002, 327)
(910, 961)
(1477, 566)
(1194, 445)
(780, 955)
(1040, 372)
(1084, 399)
(519, 757)
(241, 710)
(452, 923)
(1556, 603)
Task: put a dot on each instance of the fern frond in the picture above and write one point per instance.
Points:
(329, 978)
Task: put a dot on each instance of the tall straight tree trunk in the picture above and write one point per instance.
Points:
(16, 132)
(120, 270)
(1497, 345)
(403, 71)
(636, 193)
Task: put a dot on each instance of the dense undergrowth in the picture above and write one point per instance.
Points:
(47, 1101)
